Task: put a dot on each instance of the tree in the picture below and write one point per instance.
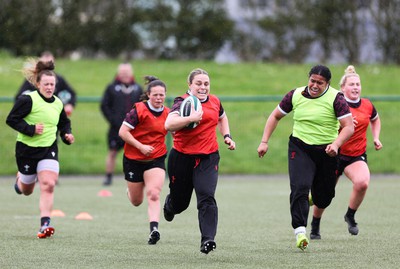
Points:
(201, 28)
(291, 37)
(386, 14)
(67, 29)
(155, 25)
(96, 26)
(249, 41)
(24, 26)
(337, 26)
(349, 29)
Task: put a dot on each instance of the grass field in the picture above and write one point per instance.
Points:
(89, 78)
(254, 229)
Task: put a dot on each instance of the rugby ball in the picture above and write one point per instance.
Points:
(186, 108)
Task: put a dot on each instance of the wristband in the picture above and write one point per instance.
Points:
(227, 135)
(265, 142)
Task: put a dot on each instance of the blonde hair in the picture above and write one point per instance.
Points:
(350, 71)
(34, 69)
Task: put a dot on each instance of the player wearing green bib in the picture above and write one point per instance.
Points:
(318, 110)
(38, 117)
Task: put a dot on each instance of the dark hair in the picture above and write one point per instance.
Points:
(322, 71)
(151, 82)
(34, 70)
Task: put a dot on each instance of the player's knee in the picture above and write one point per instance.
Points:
(208, 201)
(324, 203)
(180, 208)
(153, 195)
(47, 185)
(361, 186)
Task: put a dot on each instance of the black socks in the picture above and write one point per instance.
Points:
(45, 221)
(153, 226)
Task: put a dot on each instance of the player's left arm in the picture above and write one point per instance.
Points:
(223, 127)
(64, 126)
(376, 130)
(343, 114)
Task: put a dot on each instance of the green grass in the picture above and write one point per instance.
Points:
(247, 119)
(254, 229)
(90, 77)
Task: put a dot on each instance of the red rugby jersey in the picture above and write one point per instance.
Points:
(363, 112)
(203, 138)
(148, 129)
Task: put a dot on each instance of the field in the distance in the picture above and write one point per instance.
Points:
(254, 229)
(89, 77)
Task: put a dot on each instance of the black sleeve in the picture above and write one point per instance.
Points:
(106, 103)
(340, 106)
(221, 109)
(64, 126)
(20, 110)
(286, 103)
(374, 112)
(25, 87)
(65, 92)
(132, 117)
(177, 104)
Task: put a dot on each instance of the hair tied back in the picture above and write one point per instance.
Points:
(350, 70)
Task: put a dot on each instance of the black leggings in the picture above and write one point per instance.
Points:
(310, 168)
(198, 172)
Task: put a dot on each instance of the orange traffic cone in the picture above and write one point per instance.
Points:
(57, 213)
(83, 216)
(104, 193)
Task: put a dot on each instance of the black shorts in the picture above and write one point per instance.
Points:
(134, 170)
(114, 141)
(28, 165)
(344, 161)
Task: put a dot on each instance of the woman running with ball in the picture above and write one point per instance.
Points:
(193, 161)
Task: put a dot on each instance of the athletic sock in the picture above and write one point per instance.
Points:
(153, 226)
(45, 221)
(315, 222)
(351, 212)
(300, 230)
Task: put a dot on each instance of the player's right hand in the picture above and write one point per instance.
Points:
(39, 128)
(262, 149)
